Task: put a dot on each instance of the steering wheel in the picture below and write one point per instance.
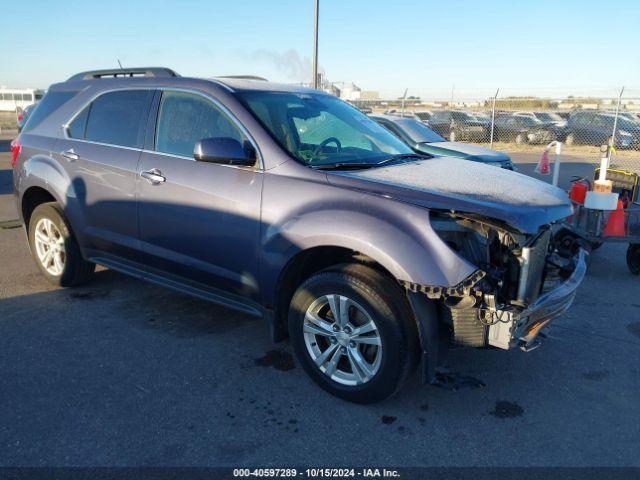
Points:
(326, 142)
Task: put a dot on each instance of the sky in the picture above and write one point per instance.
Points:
(465, 47)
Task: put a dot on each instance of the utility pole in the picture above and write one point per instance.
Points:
(493, 116)
(315, 43)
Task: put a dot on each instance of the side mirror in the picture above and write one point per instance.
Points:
(225, 151)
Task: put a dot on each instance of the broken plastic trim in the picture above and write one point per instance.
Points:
(437, 291)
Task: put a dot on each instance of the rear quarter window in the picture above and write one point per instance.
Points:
(78, 126)
(49, 104)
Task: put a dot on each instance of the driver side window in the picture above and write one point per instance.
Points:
(185, 118)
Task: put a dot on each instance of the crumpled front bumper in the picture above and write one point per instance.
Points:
(521, 329)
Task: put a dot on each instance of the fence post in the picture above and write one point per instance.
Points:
(612, 142)
(556, 164)
(493, 117)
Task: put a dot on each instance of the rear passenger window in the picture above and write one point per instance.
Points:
(118, 118)
(49, 104)
(185, 118)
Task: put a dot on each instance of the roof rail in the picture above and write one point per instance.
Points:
(245, 77)
(125, 73)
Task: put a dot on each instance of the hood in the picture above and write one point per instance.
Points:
(473, 123)
(468, 187)
(464, 150)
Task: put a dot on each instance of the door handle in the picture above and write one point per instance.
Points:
(153, 176)
(70, 155)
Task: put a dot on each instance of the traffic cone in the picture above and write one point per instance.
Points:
(615, 224)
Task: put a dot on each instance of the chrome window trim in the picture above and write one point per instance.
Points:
(259, 164)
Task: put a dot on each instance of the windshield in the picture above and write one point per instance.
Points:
(548, 117)
(629, 116)
(319, 129)
(418, 132)
(625, 124)
(463, 117)
(529, 121)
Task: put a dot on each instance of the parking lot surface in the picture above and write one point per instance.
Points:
(126, 373)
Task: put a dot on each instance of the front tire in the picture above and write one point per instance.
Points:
(353, 333)
(54, 248)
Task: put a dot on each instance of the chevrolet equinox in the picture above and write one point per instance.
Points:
(289, 204)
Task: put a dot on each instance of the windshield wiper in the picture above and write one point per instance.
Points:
(402, 156)
(344, 165)
(362, 165)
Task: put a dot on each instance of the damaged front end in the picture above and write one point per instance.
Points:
(521, 284)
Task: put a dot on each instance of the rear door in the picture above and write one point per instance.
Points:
(200, 222)
(101, 152)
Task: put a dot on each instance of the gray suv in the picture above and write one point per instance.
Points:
(289, 204)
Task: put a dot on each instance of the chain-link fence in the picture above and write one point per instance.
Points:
(519, 121)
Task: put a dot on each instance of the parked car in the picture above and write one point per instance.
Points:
(589, 127)
(401, 113)
(424, 140)
(23, 115)
(524, 129)
(545, 117)
(287, 203)
(632, 117)
(457, 125)
(424, 116)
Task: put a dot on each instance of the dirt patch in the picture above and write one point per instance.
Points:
(278, 359)
(634, 328)
(91, 295)
(388, 419)
(596, 375)
(504, 409)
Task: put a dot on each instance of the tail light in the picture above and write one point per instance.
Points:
(20, 117)
(15, 151)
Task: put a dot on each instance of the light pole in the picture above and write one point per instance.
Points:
(315, 44)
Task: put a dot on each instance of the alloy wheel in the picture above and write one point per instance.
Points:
(49, 244)
(342, 340)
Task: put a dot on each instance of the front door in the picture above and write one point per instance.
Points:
(199, 221)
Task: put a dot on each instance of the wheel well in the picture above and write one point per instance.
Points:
(305, 264)
(33, 197)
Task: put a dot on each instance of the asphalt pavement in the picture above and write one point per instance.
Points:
(126, 373)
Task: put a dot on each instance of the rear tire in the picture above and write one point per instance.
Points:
(361, 368)
(54, 248)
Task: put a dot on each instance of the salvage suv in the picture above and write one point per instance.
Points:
(289, 204)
